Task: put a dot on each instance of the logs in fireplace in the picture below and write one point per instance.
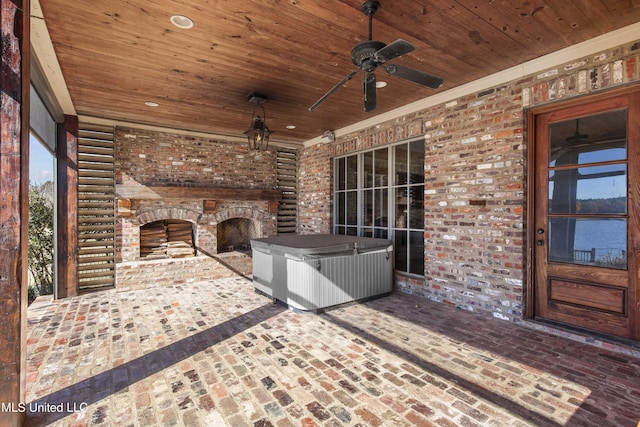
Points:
(166, 239)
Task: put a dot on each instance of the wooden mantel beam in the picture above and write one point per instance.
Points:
(142, 192)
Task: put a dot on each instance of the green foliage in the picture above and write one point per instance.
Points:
(40, 240)
(594, 206)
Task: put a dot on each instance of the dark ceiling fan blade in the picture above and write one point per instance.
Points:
(333, 89)
(397, 48)
(369, 89)
(414, 76)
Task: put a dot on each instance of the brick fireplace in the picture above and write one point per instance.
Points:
(235, 234)
(165, 211)
(222, 222)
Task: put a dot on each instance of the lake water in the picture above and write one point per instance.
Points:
(607, 236)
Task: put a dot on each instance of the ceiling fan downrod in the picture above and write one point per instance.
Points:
(369, 8)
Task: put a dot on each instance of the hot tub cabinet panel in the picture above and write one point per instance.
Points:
(312, 272)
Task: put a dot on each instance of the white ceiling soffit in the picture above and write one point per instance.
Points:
(42, 48)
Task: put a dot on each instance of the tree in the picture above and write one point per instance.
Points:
(40, 240)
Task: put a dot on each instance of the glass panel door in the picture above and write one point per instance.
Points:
(587, 221)
(584, 231)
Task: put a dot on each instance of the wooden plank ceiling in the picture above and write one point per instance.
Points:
(116, 55)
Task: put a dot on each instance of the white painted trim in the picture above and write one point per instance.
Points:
(42, 48)
(598, 44)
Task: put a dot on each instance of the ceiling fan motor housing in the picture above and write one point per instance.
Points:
(363, 53)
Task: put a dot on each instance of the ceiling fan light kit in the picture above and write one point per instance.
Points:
(370, 54)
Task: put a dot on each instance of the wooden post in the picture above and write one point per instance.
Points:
(14, 206)
(67, 213)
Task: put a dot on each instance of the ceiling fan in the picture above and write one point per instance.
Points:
(370, 54)
(577, 138)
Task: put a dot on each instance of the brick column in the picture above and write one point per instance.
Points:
(14, 206)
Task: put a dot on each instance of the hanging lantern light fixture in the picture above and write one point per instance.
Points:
(258, 132)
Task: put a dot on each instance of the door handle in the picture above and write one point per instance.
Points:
(540, 242)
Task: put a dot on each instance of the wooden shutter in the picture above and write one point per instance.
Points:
(287, 180)
(96, 210)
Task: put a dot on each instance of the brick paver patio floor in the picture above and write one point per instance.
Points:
(217, 354)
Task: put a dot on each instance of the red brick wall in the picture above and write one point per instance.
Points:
(475, 177)
(158, 158)
(314, 190)
(475, 202)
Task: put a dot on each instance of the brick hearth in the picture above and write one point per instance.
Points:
(133, 271)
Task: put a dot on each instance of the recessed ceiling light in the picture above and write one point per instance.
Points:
(380, 84)
(151, 104)
(181, 21)
(290, 127)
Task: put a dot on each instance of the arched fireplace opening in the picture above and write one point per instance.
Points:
(169, 238)
(235, 234)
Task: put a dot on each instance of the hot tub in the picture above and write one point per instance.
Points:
(313, 272)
